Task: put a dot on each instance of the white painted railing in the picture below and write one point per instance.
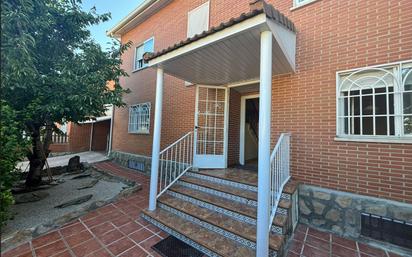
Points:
(279, 172)
(57, 138)
(174, 161)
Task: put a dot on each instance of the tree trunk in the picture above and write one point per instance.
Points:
(37, 157)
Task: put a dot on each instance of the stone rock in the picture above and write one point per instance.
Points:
(30, 197)
(82, 176)
(303, 192)
(303, 220)
(41, 229)
(337, 229)
(318, 222)
(343, 201)
(376, 208)
(60, 181)
(75, 201)
(16, 239)
(66, 218)
(89, 184)
(351, 216)
(322, 195)
(22, 190)
(74, 164)
(86, 165)
(352, 231)
(304, 208)
(357, 204)
(402, 213)
(333, 215)
(319, 207)
(97, 204)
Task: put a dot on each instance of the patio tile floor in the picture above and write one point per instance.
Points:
(308, 242)
(117, 230)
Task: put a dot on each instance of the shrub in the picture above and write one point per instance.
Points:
(11, 151)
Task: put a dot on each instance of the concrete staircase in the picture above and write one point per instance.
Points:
(218, 215)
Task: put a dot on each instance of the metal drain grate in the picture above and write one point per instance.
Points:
(388, 230)
(173, 247)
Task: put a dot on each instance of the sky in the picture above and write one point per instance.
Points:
(118, 8)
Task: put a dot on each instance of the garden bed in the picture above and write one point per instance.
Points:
(76, 192)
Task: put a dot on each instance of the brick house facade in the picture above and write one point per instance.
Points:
(331, 36)
(347, 35)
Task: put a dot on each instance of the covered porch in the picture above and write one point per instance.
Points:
(247, 50)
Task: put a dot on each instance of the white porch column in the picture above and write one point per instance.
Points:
(154, 175)
(263, 212)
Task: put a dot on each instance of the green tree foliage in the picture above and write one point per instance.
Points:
(52, 71)
(11, 151)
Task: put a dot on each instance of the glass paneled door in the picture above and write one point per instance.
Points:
(211, 127)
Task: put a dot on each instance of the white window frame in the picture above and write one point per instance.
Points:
(135, 53)
(399, 136)
(297, 3)
(192, 11)
(146, 116)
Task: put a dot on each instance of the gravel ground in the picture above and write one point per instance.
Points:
(28, 215)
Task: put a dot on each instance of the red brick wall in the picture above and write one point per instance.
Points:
(59, 148)
(347, 34)
(332, 35)
(234, 127)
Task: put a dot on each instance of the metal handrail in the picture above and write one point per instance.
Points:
(279, 172)
(174, 161)
(174, 143)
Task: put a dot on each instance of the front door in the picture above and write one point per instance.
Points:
(211, 127)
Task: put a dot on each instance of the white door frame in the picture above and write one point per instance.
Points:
(242, 126)
(226, 124)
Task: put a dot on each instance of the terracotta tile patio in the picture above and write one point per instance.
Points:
(113, 230)
(117, 230)
(308, 242)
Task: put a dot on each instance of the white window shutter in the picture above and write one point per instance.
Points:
(198, 20)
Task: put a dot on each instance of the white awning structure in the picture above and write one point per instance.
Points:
(252, 47)
(230, 53)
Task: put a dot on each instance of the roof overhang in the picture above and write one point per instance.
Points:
(230, 55)
(137, 16)
(96, 120)
(107, 115)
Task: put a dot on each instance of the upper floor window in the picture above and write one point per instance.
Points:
(297, 3)
(198, 20)
(139, 118)
(147, 46)
(375, 102)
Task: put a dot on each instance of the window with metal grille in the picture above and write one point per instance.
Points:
(139, 118)
(146, 47)
(375, 102)
(388, 230)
